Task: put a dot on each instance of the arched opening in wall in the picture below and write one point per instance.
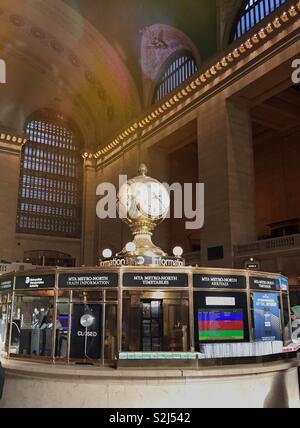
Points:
(50, 188)
(276, 132)
(179, 67)
(49, 258)
(275, 123)
(251, 13)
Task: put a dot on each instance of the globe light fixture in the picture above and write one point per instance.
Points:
(177, 251)
(107, 253)
(131, 247)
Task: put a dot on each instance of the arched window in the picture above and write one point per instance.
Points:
(251, 13)
(50, 189)
(177, 72)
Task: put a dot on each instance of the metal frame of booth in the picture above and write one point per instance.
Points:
(6, 289)
(51, 283)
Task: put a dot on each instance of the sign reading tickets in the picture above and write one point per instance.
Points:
(164, 280)
(6, 284)
(220, 281)
(260, 283)
(88, 280)
(35, 282)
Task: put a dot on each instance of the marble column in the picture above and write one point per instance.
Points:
(225, 152)
(10, 155)
(89, 253)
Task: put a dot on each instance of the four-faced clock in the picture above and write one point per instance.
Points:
(153, 200)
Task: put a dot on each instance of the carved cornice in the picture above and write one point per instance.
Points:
(11, 141)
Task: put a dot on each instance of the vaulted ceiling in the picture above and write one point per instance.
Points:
(82, 57)
(122, 22)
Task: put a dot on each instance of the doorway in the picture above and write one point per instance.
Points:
(152, 325)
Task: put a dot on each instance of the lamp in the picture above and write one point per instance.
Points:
(177, 251)
(107, 253)
(131, 247)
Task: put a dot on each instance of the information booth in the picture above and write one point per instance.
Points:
(100, 316)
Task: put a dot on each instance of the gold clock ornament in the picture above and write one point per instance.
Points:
(143, 203)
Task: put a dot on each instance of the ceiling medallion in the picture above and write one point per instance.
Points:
(56, 45)
(74, 60)
(101, 94)
(90, 77)
(17, 20)
(38, 32)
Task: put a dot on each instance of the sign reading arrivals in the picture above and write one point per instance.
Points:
(88, 280)
(162, 280)
(35, 282)
(220, 281)
(261, 283)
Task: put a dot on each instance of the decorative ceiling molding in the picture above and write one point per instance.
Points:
(11, 141)
(78, 56)
(236, 53)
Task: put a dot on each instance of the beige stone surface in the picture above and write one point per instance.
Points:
(254, 386)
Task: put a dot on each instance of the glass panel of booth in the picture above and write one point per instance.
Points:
(240, 315)
(66, 317)
(32, 324)
(6, 284)
(270, 313)
(91, 317)
(92, 325)
(155, 321)
(32, 321)
(155, 313)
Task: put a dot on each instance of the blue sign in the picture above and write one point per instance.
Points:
(284, 283)
(267, 326)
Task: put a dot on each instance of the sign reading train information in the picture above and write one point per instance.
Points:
(220, 281)
(35, 282)
(155, 280)
(88, 280)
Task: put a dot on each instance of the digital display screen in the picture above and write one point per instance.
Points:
(64, 320)
(221, 325)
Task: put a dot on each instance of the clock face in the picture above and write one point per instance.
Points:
(87, 320)
(153, 200)
(126, 201)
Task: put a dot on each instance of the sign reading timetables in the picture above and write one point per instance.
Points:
(159, 280)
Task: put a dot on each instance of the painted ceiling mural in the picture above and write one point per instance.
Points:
(124, 23)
